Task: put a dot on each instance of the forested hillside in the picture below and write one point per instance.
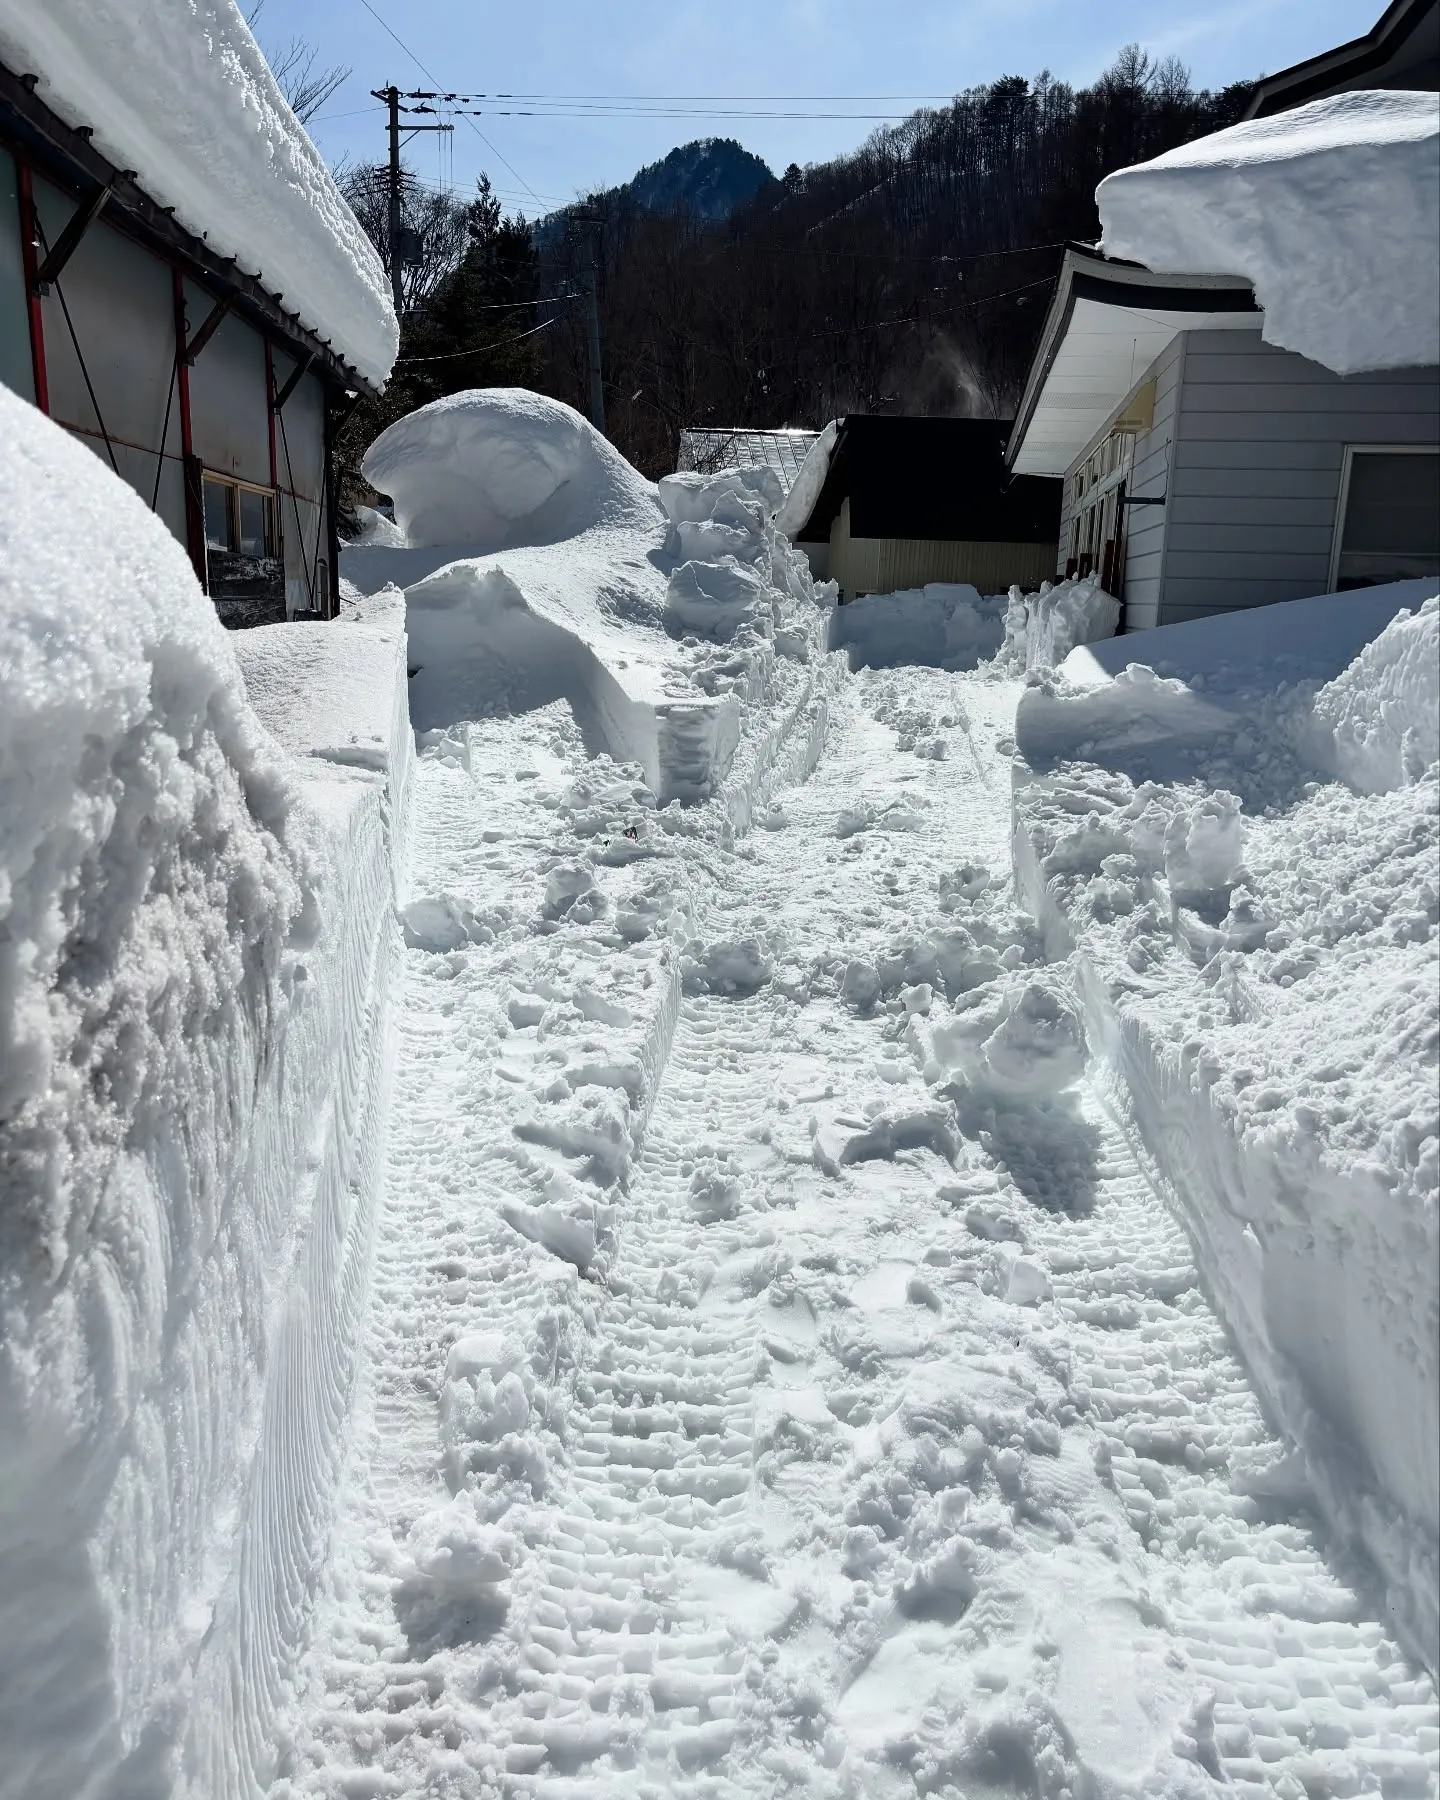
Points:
(911, 275)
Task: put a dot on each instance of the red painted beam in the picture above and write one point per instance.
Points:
(194, 497)
(28, 239)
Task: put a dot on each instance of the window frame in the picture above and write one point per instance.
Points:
(234, 486)
(1342, 503)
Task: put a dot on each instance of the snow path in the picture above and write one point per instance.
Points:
(819, 1447)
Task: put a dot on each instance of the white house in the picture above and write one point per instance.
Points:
(1240, 385)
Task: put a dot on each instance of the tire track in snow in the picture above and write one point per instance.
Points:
(839, 1499)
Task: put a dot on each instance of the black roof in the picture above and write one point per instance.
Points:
(942, 479)
(1400, 50)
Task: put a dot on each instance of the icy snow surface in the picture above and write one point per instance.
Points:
(782, 1376)
(178, 91)
(538, 565)
(1331, 210)
(1256, 945)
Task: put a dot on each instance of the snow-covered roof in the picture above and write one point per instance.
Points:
(179, 92)
(1107, 323)
(1331, 211)
(736, 447)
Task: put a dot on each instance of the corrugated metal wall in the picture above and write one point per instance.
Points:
(887, 565)
(110, 358)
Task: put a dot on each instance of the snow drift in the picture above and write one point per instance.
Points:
(1257, 953)
(1331, 210)
(501, 467)
(539, 566)
(178, 91)
(191, 940)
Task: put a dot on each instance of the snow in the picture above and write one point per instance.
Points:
(538, 565)
(805, 489)
(1331, 210)
(195, 934)
(1256, 944)
(178, 92)
(946, 625)
(716, 1287)
(1041, 629)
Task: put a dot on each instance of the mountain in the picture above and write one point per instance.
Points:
(709, 178)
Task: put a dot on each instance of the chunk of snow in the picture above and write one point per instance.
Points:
(179, 92)
(944, 625)
(1041, 629)
(805, 491)
(1331, 210)
(1380, 720)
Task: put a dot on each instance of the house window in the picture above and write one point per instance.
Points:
(239, 519)
(1094, 546)
(1388, 519)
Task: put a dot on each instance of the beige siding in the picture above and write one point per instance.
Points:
(1259, 445)
(887, 565)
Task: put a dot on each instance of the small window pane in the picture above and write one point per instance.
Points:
(218, 528)
(254, 523)
(1392, 518)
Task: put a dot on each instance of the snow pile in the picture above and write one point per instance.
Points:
(945, 625)
(539, 566)
(190, 948)
(178, 91)
(1381, 718)
(805, 490)
(1258, 954)
(1042, 629)
(1331, 210)
(502, 467)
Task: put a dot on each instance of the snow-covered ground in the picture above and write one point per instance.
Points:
(623, 1253)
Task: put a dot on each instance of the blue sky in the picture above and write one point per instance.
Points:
(751, 49)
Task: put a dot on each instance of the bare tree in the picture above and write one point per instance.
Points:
(294, 65)
(440, 223)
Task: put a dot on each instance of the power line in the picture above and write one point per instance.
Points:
(475, 128)
(478, 349)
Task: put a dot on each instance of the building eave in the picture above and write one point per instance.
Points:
(65, 154)
(1137, 309)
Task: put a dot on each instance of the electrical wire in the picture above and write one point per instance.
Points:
(424, 71)
(479, 349)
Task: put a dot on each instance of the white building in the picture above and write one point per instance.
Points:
(182, 286)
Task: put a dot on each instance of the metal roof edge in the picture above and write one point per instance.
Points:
(1308, 80)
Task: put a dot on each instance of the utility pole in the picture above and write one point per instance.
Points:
(402, 252)
(592, 332)
(392, 100)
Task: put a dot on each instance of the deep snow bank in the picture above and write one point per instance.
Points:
(1331, 210)
(945, 625)
(539, 566)
(1258, 951)
(178, 91)
(191, 940)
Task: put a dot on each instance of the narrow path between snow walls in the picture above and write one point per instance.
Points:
(781, 1377)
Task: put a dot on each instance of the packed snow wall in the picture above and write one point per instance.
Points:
(1256, 942)
(195, 931)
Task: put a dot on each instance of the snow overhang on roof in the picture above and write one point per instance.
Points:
(1107, 323)
(178, 94)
